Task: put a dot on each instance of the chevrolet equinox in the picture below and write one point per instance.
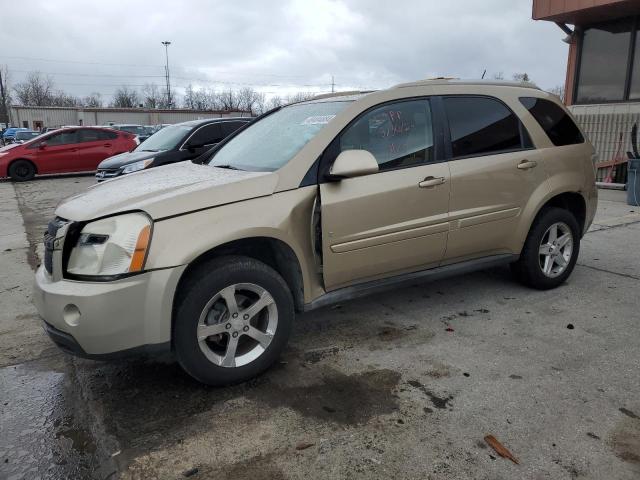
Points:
(313, 203)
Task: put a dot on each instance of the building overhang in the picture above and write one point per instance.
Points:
(583, 12)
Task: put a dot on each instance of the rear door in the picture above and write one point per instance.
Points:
(58, 153)
(395, 220)
(494, 171)
(93, 147)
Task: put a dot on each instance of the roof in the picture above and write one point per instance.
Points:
(583, 12)
(457, 81)
(212, 120)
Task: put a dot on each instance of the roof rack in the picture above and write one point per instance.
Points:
(458, 81)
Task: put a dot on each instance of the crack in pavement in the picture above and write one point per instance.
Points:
(626, 275)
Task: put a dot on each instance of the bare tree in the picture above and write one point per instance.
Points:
(5, 95)
(521, 77)
(227, 100)
(498, 76)
(249, 100)
(36, 89)
(300, 97)
(125, 97)
(151, 96)
(93, 101)
(559, 91)
(62, 99)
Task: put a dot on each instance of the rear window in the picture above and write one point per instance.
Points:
(556, 123)
(481, 126)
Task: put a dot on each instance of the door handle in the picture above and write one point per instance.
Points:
(106, 145)
(431, 181)
(527, 164)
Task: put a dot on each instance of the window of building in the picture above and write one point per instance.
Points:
(481, 126)
(554, 121)
(604, 61)
(397, 134)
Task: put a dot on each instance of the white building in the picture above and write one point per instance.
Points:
(41, 117)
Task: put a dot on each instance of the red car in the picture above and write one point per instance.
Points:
(63, 151)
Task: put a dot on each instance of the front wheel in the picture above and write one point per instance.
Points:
(233, 320)
(550, 251)
(22, 170)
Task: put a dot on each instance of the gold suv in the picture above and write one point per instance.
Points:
(312, 203)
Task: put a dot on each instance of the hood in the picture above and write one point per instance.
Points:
(123, 159)
(168, 190)
(9, 147)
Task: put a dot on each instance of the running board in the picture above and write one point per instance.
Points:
(375, 286)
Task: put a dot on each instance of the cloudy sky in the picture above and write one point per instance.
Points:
(278, 47)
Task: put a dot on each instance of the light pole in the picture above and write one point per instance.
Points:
(166, 70)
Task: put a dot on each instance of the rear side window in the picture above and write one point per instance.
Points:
(397, 134)
(207, 135)
(481, 126)
(556, 123)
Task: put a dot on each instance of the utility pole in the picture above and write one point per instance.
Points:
(333, 85)
(4, 117)
(166, 70)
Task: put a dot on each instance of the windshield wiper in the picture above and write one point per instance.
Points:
(230, 167)
(148, 150)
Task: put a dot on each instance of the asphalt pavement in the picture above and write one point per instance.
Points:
(405, 384)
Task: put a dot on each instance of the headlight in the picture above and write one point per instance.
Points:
(111, 246)
(134, 167)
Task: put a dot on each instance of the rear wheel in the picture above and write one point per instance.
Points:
(232, 321)
(550, 251)
(22, 170)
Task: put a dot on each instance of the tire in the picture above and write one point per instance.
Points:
(540, 264)
(22, 170)
(203, 307)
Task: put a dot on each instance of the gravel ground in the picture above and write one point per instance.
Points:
(405, 384)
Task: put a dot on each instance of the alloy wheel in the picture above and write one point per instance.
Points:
(237, 325)
(556, 249)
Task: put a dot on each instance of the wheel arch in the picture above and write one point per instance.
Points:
(21, 158)
(574, 202)
(269, 250)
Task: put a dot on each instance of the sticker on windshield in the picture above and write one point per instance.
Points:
(317, 120)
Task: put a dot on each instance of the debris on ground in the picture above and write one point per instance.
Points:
(570, 326)
(449, 329)
(191, 472)
(304, 445)
(500, 449)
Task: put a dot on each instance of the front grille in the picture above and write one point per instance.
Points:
(107, 173)
(49, 241)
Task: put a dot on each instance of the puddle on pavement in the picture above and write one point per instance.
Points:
(43, 434)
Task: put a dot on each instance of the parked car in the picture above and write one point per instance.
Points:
(78, 149)
(140, 131)
(23, 136)
(175, 143)
(9, 133)
(314, 203)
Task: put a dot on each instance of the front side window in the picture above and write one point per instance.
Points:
(603, 62)
(63, 138)
(269, 143)
(89, 135)
(555, 122)
(397, 134)
(481, 126)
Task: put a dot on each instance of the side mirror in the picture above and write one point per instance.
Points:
(354, 163)
(42, 145)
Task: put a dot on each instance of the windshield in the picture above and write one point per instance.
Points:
(165, 139)
(270, 143)
(26, 135)
(135, 129)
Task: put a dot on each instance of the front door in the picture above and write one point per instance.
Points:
(393, 221)
(494, 172)
(57, 153)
